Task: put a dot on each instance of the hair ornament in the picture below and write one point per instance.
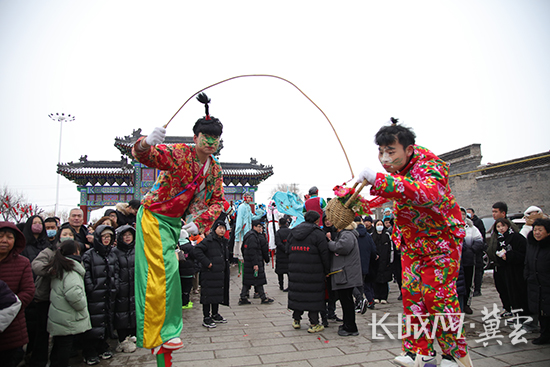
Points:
(203, 98)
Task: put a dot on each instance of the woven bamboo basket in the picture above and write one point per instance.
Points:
(340, 214)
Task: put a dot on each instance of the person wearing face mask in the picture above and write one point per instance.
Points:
(51, 226)
(36, 314)
(36, 237)
(383, 244)
(428, 229)
(41, 261)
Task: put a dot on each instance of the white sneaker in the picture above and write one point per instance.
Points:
(126, 346)
(448, 363)
(405, 360)
(409, 360)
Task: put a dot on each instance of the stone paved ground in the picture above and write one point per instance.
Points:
(263, 335)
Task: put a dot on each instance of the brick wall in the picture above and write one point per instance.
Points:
(520, 182)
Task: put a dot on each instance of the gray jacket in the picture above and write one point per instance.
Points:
(42, 281)
(346, 260)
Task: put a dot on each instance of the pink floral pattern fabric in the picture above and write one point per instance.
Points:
(424, 205)
(428, 230)
(180, 165)
(429, 289)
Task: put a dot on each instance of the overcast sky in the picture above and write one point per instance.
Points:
(458, 72)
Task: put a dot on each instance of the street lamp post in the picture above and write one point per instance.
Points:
(60, 118)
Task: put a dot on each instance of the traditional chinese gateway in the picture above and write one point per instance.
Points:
(106, 183)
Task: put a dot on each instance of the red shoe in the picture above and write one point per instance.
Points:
(174, 343)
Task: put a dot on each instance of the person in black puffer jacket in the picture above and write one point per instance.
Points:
(364, 295)
(309, 264)
(36, 313)
(384, 272)
(36, 237)
(281, 263)
(511, 257)
(125, 301)
(255, 253)
(537, 275)
(212, 254)
(101, 281)
(332, 296)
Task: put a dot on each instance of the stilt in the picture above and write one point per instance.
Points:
(465, 361)
(164, 356)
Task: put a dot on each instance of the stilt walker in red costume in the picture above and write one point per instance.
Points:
(429, 231)
(189, 186)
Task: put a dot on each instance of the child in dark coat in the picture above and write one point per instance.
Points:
(125, 305)
(212, 254)
(187, 268)
(281, 263)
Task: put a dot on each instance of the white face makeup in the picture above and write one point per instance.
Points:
(385, 159)
(394, 157)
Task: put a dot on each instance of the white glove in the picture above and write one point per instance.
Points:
(156, 137)
(500, 253)
(191, 228)
(367, 174)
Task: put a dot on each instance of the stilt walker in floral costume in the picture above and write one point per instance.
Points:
(189, 186)
(429, 231)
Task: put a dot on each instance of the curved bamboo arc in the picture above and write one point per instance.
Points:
(276, 77)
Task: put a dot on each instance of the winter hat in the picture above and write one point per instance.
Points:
(368, 218)
(351, 226)
(256, 222)
(107, 231)
(532, 209)
(312, 216)
(218, 223)
(313, 190)
(134, 203)
(184, 237)
(108, 212)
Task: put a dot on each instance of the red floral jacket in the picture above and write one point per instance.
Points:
(180, 165)
(424, 205)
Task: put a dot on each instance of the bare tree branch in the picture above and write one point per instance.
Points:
(14, 206)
